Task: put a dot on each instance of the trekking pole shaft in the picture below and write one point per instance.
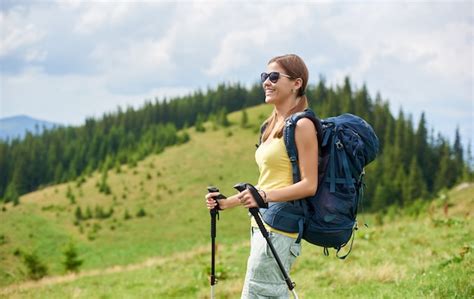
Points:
(254, 212)
(213, 249)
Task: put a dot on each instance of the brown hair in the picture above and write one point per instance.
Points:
(295, 67)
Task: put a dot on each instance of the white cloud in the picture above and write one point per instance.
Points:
(98, 14)
(93, 56)
(127, 69)
(234, 51)
(420, 58)
(377, 32)
(73, 98)
(35, 55)
(266, 28)
(16, 33)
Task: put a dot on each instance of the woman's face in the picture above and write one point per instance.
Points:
(280, 91)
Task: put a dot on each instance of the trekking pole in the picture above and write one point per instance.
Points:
(254, 211)
(214, 214)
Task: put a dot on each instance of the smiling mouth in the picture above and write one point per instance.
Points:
(268, 91)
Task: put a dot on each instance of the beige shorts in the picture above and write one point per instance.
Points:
(264, 278)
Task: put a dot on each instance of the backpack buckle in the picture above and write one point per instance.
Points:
(339, 144)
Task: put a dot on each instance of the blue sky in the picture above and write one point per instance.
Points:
(66, 60)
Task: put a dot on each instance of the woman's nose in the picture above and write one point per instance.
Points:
(266, 82)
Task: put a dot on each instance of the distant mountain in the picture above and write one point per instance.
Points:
(17, 126)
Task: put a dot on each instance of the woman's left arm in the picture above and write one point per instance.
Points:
(307, 146)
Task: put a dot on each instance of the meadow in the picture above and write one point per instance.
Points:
(154, 242)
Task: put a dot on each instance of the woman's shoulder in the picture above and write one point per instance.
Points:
(305, 124)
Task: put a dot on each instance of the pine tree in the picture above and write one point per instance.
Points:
(78, 214)
(381, 198)
(244, 120)
(363, 104)
(103, 186)
(347, 103)
(11, 194)
(88, 213)
(199, 127)
(70, 195)
(71, 261)
(415, 186)
(468, 171)
(458, 155)
(421, 146)
(399, 184)
(222, 118)
(444, 173)
(126, 215)
(36, 268)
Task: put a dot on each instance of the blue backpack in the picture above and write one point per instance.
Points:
(347, 143)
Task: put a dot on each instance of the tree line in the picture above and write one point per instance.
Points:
(413, 163)
(123, 137)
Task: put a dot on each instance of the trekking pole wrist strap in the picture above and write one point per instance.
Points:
(258, 198)
(265, 200)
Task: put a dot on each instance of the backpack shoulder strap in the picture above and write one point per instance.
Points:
(289, 138)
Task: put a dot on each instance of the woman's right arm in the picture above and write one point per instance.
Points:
(229, 202)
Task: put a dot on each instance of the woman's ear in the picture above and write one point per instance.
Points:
(298, 83)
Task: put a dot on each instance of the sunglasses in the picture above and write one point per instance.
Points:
(273, 76)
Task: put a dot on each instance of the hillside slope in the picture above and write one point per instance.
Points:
(424, 250)
(168, 187)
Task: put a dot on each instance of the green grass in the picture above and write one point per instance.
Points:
(418, 252)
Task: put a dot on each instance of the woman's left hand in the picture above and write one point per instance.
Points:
(246, 199)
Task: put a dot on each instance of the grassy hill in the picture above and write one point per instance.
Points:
(424, 250)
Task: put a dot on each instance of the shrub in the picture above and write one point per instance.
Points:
(127, 215)
(71, 261)
(141, 212)
(36, 268)
(70, 195)
(78, 214)
(3, 239)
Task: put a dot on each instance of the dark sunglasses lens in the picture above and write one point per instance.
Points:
(274, 77)
(263, 77)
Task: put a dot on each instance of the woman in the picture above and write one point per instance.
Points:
(284, 83)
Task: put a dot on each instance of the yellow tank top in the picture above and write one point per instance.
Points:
(275, 171)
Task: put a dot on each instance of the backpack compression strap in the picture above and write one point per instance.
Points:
(289, 137)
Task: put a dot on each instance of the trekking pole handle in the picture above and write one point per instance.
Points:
(212, 189)
(241, 187)
(215, 211)
(258, 198)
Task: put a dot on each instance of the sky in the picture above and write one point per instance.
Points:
(66, 60)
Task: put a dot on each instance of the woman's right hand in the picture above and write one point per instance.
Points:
(210, 201)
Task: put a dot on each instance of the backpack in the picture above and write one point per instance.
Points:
(347, 143)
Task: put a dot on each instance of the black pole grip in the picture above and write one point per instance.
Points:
(212, 189)
(214, 212)
(260, 202)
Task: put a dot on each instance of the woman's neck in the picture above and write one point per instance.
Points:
(283, 109)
